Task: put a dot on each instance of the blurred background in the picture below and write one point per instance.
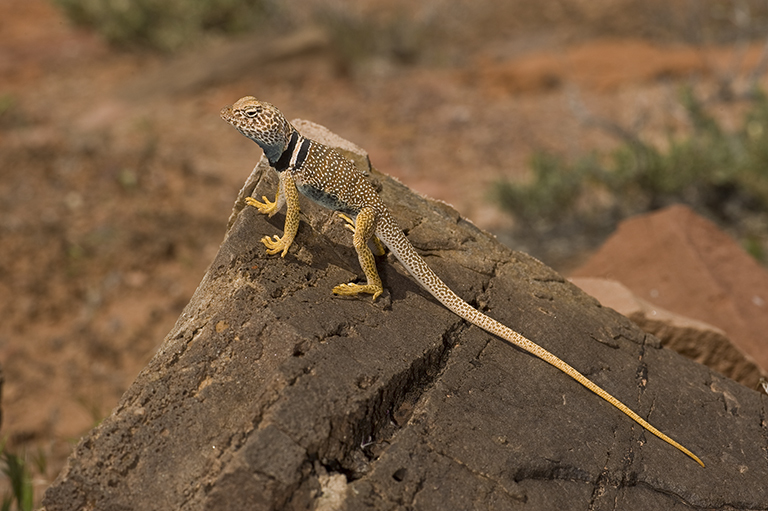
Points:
(546, 123)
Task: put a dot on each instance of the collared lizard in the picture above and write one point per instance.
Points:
(328, 178)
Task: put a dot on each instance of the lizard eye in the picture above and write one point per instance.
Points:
(253, 112)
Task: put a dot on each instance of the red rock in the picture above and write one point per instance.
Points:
(684, 263)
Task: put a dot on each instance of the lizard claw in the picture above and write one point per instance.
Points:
(276, 245)
(353, 289)
(350, 224)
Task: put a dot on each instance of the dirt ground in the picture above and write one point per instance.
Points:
(118, 175)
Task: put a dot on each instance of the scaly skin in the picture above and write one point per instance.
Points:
(325, 176)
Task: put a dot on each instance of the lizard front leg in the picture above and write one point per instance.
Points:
(363, 230)
(286, 194)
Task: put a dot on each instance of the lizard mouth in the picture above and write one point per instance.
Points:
(226, 113)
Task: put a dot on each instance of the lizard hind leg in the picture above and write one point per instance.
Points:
(380, 250)
(363, 231)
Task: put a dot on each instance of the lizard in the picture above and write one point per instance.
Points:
(325, 176)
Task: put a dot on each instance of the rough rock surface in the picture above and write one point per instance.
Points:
(684, 263)
(271, 393)
(697, 340)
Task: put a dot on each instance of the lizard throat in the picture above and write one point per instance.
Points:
(293, 155)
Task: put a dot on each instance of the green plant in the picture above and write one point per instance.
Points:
(15, 468)
(553, 193)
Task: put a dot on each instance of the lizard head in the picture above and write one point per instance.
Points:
(262, 122)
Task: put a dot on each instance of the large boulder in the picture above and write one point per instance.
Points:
(271, 393)
(682, 262)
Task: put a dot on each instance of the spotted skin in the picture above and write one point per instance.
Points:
(329, 179)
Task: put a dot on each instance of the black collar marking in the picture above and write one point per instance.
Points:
(282, 163)
(303, 150)
(287, 156)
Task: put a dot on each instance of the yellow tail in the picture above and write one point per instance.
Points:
(416, 266)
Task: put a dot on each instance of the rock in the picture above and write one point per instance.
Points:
(699, 341)
(684, 263)
(271, 393)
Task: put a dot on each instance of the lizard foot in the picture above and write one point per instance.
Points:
(353, 289)
(276, 244)
(267, 207)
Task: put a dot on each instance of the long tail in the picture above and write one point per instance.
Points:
(393, 237)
